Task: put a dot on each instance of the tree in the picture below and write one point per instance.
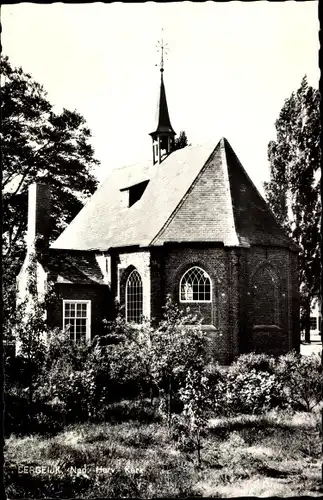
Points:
(293, 189)
(41, 145)
(177, 345)
(181, 141)
(190, 426)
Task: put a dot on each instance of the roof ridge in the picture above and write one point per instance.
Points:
(227, 183)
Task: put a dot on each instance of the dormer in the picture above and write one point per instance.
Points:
(133, 193)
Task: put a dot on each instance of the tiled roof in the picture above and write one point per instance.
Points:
(74, 267)
(198, 193)
(205, 212)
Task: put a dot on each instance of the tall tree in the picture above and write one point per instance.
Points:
(293, 191)
(181, 141)
(38, 145)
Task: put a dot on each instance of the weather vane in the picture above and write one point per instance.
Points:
(162, 48)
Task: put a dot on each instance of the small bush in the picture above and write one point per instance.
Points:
(252, 361)
(72, 379)
(249, 391)
(301, 378)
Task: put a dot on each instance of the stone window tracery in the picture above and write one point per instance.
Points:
(134, 297)
(195, 286)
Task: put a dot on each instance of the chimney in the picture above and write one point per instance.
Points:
(38, 229)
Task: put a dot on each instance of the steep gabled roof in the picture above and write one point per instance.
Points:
(198, 193)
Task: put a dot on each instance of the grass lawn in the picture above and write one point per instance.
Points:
(278, 454)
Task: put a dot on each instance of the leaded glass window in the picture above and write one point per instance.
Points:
(195, 286)
(134, 307)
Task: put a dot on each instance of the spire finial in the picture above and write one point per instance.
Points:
(161, 47)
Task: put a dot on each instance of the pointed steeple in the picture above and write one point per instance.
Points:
(163, 124)
(163, 136)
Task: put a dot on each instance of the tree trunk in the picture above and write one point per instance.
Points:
(307, 323)
(169, 400)
(198, 448)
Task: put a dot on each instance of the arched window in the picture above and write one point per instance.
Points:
(134, 297)
(195, 286)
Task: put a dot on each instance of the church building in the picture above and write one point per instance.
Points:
(189, 224)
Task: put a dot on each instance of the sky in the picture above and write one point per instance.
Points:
(228, 70)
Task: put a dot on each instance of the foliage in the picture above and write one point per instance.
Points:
(78, 381)
(154, 361)
(29, 331)
(177, 345)
(129, 363)
(181, 141)
(301, 377)
(38, 144)
(293, 192)
(255, 383)
(189, 427)
(259, 362)
(249, 392)
(67, 382)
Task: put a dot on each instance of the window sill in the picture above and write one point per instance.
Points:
(205, 328)
(194, 302)
(271, 328)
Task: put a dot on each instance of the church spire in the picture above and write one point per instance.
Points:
(163, 136)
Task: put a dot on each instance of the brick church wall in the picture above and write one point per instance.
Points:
(294, 297)
(239, 320)
(101, 304)
(222, 312)
(269, 300)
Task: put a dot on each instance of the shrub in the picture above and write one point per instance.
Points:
(301, 377)
(216, 376)
(177, 346)
(129, 361)
(153, 361)
(80, 380)
(249, 391)
(252, 361)
(30, 333)
(72, 380)
(69, 391)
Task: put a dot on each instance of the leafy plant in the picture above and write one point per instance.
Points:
(250, 391)
(177, 345)
(253, 361)
(301, 377)
(30, 332)
(190, 425)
